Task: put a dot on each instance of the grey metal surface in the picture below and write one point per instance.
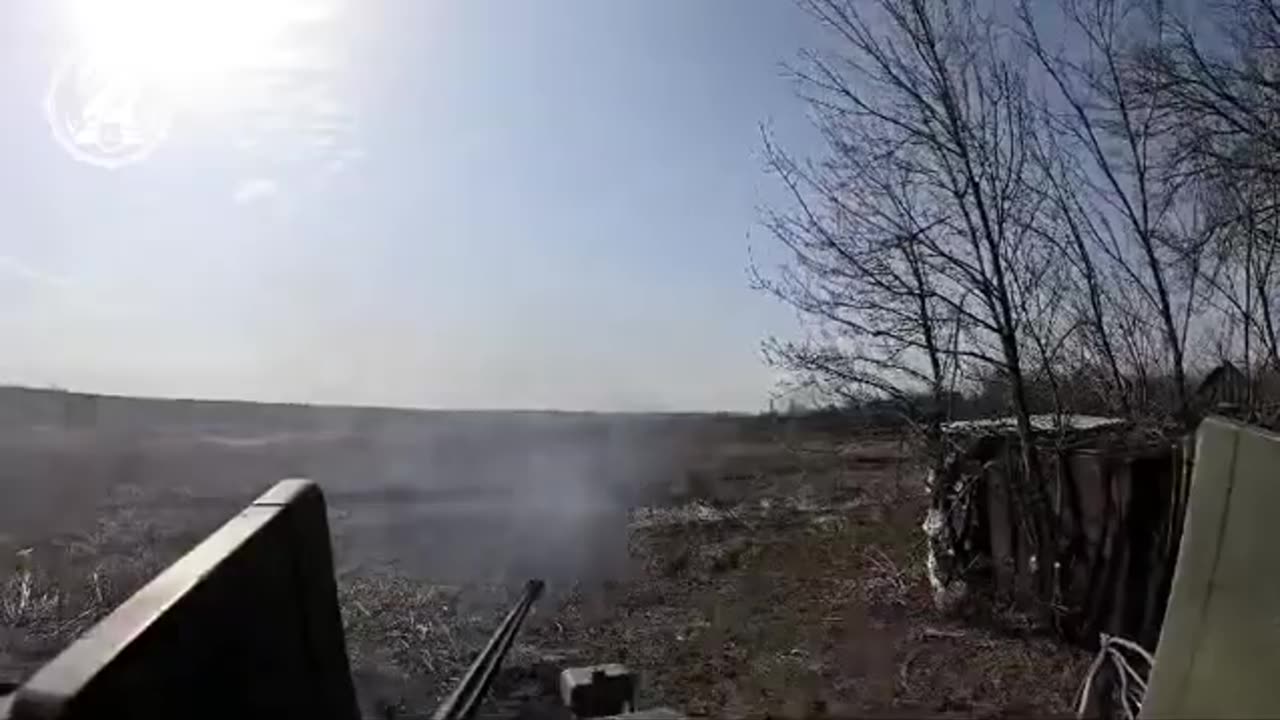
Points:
(1219, 650)
(245, 625)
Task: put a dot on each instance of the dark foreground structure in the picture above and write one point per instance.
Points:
(1159, 543)
(246, 625)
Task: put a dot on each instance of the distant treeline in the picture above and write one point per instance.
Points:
(1219, 391)
(33, 407)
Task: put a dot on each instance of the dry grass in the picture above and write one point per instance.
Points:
(44, 607)
(805, 598)
(409, 639)
(426, 631)
(789, 584)
(25, 600)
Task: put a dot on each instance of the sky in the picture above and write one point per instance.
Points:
(480, 204)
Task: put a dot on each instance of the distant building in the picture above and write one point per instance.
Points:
(1224, 391)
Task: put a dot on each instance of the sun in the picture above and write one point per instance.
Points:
(134, 64)
(181, 45)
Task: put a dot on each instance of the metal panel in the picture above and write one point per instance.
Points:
(1219, 651)
(244, 625)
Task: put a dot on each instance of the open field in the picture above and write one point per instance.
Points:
(743, 568)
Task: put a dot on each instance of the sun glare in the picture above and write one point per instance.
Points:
(135, 63)
(175, 44)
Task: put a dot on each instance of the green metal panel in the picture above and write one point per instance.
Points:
(1219, 650)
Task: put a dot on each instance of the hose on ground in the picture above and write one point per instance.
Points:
(1133, 684)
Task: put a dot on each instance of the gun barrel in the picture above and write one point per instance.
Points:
(465, 699)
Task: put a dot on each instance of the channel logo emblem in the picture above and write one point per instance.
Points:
(105, 119)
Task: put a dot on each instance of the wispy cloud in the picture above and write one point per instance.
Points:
(255, 190)
(54, 292)
(13, 266)
(342, 160)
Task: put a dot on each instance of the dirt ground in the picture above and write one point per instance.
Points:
(750, 572)
(791, 584)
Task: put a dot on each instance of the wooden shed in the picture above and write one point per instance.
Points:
(1224, 390)
(1116, 500)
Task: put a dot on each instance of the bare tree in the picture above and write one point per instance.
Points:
(915, 242)
(1217, 77)
(1091, 298)
(1218, 74)
(1240, 275)
(857, 274)
(1227, 105)
(1109, 127)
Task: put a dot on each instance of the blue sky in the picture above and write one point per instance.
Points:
(463, 204)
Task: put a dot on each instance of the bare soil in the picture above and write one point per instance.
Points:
(792, 585)
(742, 572)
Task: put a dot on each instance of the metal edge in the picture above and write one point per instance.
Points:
(45, 694)
(1206, 508)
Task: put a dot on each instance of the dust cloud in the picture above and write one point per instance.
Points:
(443, 497)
